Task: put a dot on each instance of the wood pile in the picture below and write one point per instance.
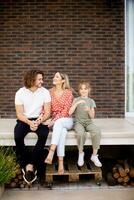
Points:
(18, 181)
(121, 173)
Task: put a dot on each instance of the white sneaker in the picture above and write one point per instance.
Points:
(96, 161)
(81, 159)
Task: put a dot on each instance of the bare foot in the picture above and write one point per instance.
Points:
(49, 158)
(60, 167)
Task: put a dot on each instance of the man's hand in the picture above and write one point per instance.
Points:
(39, 120)
(33, 125)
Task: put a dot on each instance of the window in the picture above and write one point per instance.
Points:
(129, 57)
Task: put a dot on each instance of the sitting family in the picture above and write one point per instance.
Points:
(38, 109)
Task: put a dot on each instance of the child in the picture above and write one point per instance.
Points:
(83, 108)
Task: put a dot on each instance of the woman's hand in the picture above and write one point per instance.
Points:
(39, 120)
(49, 122)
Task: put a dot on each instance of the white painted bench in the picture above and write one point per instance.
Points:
(115, 131)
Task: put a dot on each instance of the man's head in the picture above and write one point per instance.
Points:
(33, 78)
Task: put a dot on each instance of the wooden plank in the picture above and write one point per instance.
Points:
(84, 169)
(50, 171)
(73, 172)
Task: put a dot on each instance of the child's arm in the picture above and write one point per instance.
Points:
(91, 112)
(74, 106)
(91, 109)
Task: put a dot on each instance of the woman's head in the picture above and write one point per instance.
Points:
(61, 79)
(84, 89)
(33, 78)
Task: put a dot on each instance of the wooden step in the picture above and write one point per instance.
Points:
(73, 171)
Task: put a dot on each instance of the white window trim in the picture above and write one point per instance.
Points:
(127, 114)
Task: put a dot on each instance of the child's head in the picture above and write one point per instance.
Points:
(84, 89)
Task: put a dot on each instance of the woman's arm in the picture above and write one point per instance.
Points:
(46, 114)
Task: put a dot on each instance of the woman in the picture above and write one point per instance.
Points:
(61, 101)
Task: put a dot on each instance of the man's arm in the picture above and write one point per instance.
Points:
(21, 116)
(47, 113)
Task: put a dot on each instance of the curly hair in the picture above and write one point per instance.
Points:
(30, 77)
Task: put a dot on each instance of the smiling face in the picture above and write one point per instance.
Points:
(84, 91)
(38, 81)
(57, 79)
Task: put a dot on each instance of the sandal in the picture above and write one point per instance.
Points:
(49, 160)
(60, 170)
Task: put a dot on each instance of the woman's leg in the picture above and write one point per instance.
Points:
(56, 140)
(66, 123)
(50, 155)
(61, 151)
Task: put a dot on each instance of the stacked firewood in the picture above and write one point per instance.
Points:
(121, 173)
(18, 181)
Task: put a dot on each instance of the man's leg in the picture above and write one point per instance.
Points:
(20, 131)
(38, 151)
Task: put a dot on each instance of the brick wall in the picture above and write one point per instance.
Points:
(84, 38)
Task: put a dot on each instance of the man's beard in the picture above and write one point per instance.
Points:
(39, 86)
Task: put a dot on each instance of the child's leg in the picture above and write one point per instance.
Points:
(81, 138)
(80, 135)
(95, 137)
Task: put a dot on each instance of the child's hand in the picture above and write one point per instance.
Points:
(90, 111)
(80, 102)
(87, 108)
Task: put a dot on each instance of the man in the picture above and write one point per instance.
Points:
(30, 100)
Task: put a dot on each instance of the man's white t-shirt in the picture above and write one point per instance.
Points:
(32, 102)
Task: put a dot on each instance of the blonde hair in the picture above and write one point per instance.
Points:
(87, 85)
(66, 84)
